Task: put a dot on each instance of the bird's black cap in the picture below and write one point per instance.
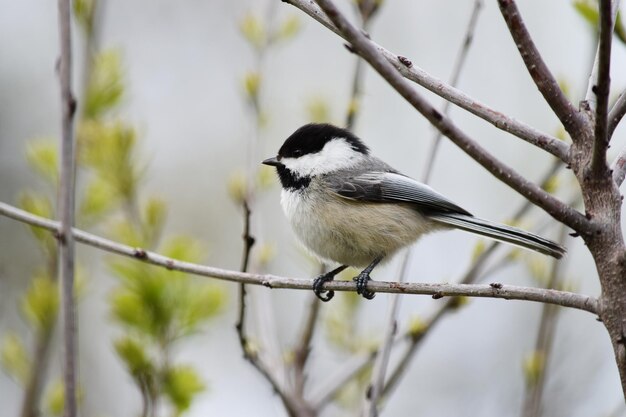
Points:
(312, 137)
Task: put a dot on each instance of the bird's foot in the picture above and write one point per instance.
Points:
(318, 285)
(361, 285)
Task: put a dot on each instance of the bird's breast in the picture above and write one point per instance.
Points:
(351, 232)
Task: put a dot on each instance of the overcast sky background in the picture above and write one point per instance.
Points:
(184, 63)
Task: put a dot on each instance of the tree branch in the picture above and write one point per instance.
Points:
(369, 52)
(601, 89)
(65, 237)
(619, 167)
(590, 97)
(303, 348)
(505, 292)
(525, 132)
(454, 79)
(572, 120)
(616, 113)
(533, 397)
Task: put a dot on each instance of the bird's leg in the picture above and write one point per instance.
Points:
(363, 277)
(318, 283)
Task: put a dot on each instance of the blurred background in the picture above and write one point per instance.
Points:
(178, 103)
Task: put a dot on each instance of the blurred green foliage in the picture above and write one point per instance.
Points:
(588, 9)
(154, 307)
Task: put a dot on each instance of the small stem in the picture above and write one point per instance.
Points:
(532, 404)
(66, 209)
(617, 113)
(454, 80)
(301, 352)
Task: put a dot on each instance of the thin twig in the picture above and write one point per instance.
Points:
(503, 172)
(617, 112)
(37, 374)
(412, 72)
(590, 96)
(506, 292)
(248, 242)
(532, 404)
(375, 390)
(572, 120)
(454, 79)
(66, 209)
(602, 89)
(367, 10)
(302, 350)
(619, 167)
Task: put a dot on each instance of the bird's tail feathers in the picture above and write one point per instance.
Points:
(500, 232)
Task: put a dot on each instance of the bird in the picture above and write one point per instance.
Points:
(347, 206)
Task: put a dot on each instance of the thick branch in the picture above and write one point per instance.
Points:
(66, 209)
(572, 120)
(616, 113)
(601, 90)
(506, 292)
(525, 132)
(369, 52)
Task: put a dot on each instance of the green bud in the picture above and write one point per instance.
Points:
(181, 384)
(14, 357)
(41, 302)
(43, 156)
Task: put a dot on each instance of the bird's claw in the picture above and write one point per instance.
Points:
(318, 289)
(361, 285)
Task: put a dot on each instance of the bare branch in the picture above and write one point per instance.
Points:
(525, 132)
(454, 79)
(533, 398)
(381, 363)
(601, 89)
(572, 120)
(369, 52)
(506, 292)
(66, 208)
(590, 97)
(619, 167)
(302, 350)
(616, 113)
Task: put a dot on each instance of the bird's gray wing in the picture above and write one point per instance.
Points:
(389, 187)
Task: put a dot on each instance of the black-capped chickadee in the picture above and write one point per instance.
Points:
(348, 206)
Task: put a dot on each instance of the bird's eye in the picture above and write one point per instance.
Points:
(297, 153)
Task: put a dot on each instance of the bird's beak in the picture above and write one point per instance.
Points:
(272, 162)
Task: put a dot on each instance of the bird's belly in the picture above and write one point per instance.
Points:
(353, 233)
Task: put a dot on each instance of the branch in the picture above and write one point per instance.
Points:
(533, 397)
(590, 97)
(505, 292)
(369, 52)
(525, 132)
(375, 390)
(616, 113)
(601, 89)
(619, 167)
(454, 79)
(66, 208)
(303, 348)
(572, 120)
